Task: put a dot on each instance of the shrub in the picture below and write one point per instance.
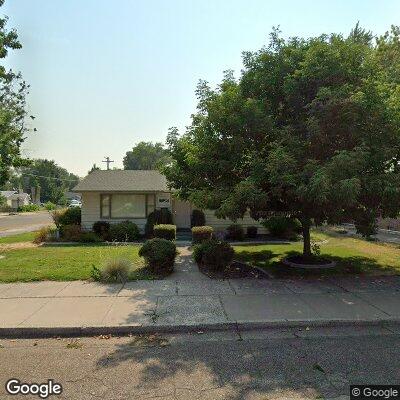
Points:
(115, 270)
(67, 216)
(102, 229)
(125, 231)
(201, 233)
(45, 234)
(89, 237)
(71, 233)
(283, 227)
(157, 217)
(165, 231)
(197, 218)
(28, 208)
(214, 254)
(49, 206)
(252, 232)
(159, 255)
(235, 232)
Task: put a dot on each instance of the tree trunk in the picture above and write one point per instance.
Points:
(306, 224)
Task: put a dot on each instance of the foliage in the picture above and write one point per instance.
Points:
(28, 208)
(67, 216)
(146, 155)
(214, 254)
(315, 248)
(115, 270)
(71, 232)
(159, 255)
(52, 179)
(89, 237)
(94, 168)
(252, 232)
(366, 224)
(283, 227)
(3, 201)
(125, 231)
(201, 233)
(235, 232)
(102, 229)
(13, 91)
(45, 234)
(49, 206)
(165, 231)
(311, 128)
(157, 217)
(197, 218)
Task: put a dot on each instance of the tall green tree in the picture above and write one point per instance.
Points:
(53, 180)
(311, 129)
(13, 113)
(146, 155)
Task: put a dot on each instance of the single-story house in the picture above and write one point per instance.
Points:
(15, 199)
(119, 195)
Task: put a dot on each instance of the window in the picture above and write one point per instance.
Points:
(105, 201)
(125, 206)
(128, 206)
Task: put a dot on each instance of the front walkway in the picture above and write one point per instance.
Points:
(189, 300)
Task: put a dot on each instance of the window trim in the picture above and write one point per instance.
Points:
(110, 195)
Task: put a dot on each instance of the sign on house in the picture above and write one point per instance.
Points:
(164, 200)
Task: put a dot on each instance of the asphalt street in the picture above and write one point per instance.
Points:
(23, 222)
(302, 364)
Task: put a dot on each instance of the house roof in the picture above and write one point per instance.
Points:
(123, 181)
(14, 195)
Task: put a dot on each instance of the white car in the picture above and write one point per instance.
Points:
(75, 203)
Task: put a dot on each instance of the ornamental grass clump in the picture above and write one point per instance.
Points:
(116, 270)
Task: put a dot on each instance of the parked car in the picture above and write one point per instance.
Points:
(75, 203)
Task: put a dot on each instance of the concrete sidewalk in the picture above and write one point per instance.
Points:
(188, 300)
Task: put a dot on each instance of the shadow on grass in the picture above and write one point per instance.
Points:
(355, 265)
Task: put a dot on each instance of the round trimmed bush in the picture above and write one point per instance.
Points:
(102, 229)
(197, 218)
(235, 232)
(201, 233)
(125, 231)
(214, 254)
(159, 255)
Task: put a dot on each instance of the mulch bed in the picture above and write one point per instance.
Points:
(237, 270)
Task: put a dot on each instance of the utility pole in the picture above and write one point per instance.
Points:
(108, 161)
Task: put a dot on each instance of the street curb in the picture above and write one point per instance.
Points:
(46, 332)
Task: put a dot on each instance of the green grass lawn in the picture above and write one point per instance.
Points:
(352, 255)
(19, 238)
(64, 263)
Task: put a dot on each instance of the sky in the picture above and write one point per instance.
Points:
(105, 75)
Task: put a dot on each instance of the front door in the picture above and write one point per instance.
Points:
(182, 210)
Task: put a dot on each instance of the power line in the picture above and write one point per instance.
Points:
(50, 177)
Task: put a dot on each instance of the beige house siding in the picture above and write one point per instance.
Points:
(91, 212)
(221, 224)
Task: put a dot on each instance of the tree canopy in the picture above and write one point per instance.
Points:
(146, 155)
(13, 91)
(52, 179)
(311, 129)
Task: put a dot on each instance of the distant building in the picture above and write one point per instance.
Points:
(16, 199)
